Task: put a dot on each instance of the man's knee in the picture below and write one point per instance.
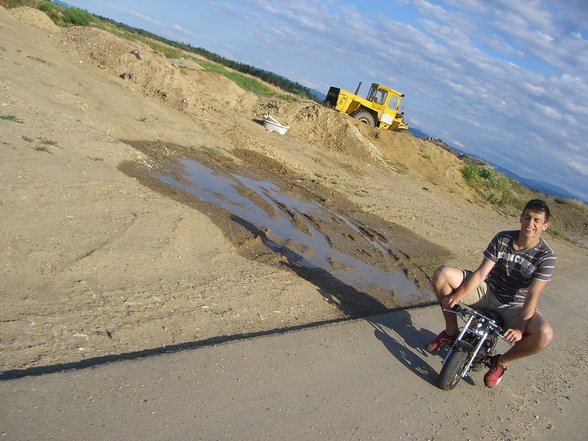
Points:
(542, 333)
(545, 335)
(447, 275)
(445, 280)
(440, 275)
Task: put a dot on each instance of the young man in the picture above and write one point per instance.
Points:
(516, 267)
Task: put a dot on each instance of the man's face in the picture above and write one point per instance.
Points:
(533, 223)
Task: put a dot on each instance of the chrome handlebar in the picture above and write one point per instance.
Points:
(464, 311)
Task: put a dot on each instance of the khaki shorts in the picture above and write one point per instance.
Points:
(482, 298)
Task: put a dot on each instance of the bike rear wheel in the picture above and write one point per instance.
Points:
(453, 367)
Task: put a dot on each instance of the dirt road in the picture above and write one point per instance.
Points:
(101, 256)
(352, 380)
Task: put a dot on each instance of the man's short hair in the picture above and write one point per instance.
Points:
(539, 206)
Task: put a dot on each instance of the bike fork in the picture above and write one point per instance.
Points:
(459, 338)
(475, 353)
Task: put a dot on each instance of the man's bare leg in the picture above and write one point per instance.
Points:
(538, 335)
(446, 280)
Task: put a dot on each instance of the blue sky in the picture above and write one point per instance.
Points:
(503, 80)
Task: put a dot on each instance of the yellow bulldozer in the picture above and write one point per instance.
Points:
(379, 108)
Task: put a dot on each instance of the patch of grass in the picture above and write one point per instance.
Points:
(66, 15)
(27, 138)
(41, 148)
(159, 157)
(143, 119)
(509, 197)
(12, 118)
(574, 204)
(569, 217)
(40, 60)
(210, 150)
(495, 187)
(95, 158)
(60, 14)
(167, 51)
(15, 3)
(243, 81)
(46, 141)
(556, 231)
(78, 17)
(394, 166)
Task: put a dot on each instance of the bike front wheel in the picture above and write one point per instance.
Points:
(453, 367)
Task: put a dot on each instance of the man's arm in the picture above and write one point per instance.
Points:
(529, 307)
(470, 284)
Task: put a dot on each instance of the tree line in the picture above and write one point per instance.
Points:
(268, 77)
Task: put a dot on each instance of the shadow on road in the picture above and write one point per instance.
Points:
(353, 303)
(406, 347)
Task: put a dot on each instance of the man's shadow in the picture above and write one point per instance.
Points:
(408, 342)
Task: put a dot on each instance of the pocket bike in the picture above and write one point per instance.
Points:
(474, 346)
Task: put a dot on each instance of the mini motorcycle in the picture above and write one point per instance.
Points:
(474, 346)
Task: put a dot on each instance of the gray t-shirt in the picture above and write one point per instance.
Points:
(514, 270)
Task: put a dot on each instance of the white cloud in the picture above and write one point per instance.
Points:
(144, 17)
(182, 30)
(549, 112)
(546, 37)
(534, 90)
(498, 44)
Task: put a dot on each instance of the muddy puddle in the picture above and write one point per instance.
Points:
(354, 266)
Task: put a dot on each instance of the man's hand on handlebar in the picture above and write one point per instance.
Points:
(513, 335)
(449, 302)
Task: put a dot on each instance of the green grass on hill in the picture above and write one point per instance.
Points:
(61, 15)
(510, 196)
(495, 187)
(244, 81)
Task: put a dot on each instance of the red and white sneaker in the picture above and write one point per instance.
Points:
(495, 373)
(443, 339)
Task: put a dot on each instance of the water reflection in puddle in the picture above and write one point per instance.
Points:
(289, 223)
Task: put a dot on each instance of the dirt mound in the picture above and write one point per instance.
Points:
(400, 151)
(422, 158)
(184, 86)
(320, 126)
(34, 17)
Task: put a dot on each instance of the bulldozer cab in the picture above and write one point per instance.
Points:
(384, 102)
(378, 96)
(383, 96)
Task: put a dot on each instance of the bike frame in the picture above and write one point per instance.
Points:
(482, 329)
